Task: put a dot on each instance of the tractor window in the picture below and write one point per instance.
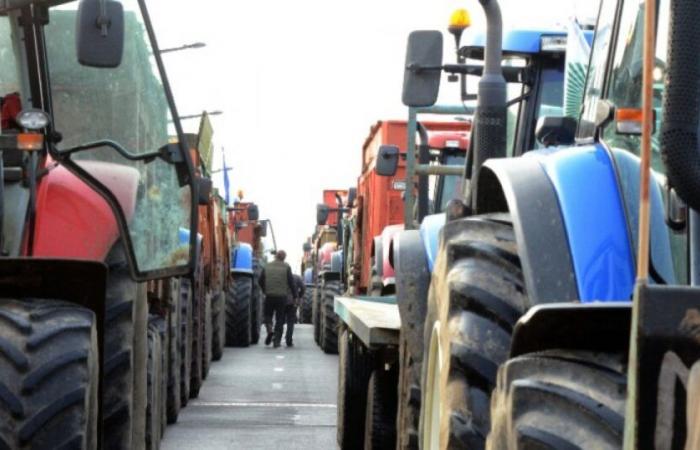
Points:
(551, 92)
(128, 105)
(9, 76)
(596, 68)
(451, 185)
(669, 255)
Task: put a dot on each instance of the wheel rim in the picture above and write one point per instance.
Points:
(431, 422)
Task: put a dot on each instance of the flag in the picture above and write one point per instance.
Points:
(227, 184)
(578, 52)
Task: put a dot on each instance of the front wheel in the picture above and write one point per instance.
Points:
(476, 296)
(48, 375)
(560, 399)
(380, 415)
(329, 320)
(306, 310)
(238, 311)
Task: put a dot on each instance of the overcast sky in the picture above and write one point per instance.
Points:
(301, 82)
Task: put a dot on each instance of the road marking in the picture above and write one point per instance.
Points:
(280, 356)
(265, 405)
(276, 385)
(279, 369)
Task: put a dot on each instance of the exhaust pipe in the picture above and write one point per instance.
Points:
(490, 121)
(680, 143)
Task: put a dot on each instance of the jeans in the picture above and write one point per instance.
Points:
(291, 314)
(275, 307)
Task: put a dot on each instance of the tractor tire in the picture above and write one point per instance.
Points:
(174, 365)
(198, 333)
(206, 342)
(256, 308)
(316, 314)
(238, 312)
(329, 320)
(185, 339)
(161, 326)
(476, 296)
(218, 321)
(49, 372)
(560, 399)
(123, 365)
(354, 370)
(153, 386)
(408, 414)
(380, 414)
(306, 310)
(140, 368)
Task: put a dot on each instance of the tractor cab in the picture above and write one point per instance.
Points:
(88, 148)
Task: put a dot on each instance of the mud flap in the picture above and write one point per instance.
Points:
(80, 282)
(664, 379)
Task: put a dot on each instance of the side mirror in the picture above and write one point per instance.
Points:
(253, 213)
(387, 161)
(552, 131)
(263, 228)
(423, 70)
(352, 195)
(100, 33)
(321, 214)
(204, 187)
(306, 247)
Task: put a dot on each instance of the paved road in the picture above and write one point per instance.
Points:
(263, 398)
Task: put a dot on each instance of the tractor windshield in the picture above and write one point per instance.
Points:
(128, 105)
(624, 90)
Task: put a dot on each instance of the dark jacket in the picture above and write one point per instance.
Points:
(276, 280)
(299, 287)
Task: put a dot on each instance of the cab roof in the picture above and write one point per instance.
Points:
(524, 41)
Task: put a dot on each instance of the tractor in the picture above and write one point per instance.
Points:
(329, 273)
(530, 336)
(91, 210)
(377, 353)
(607, 354)
(244, 299)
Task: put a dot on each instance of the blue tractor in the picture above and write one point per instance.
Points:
(527, 334)
(378, 353)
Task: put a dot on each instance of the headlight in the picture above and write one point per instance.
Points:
(33, 119)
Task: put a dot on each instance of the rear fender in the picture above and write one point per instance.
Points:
(594, 327)
(242, 259)
(412, 284)
(387, 272)
(75, 222)
(430, 236)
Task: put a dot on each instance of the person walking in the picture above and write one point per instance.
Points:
(277, 283)
(292, 307)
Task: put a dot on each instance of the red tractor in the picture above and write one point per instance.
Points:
(328, 276)
(95, 201)
(378, 213)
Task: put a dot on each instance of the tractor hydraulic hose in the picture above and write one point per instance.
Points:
(423, 159)
(490, 124)
(680, 143)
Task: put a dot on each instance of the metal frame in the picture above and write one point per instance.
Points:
(424, 170)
